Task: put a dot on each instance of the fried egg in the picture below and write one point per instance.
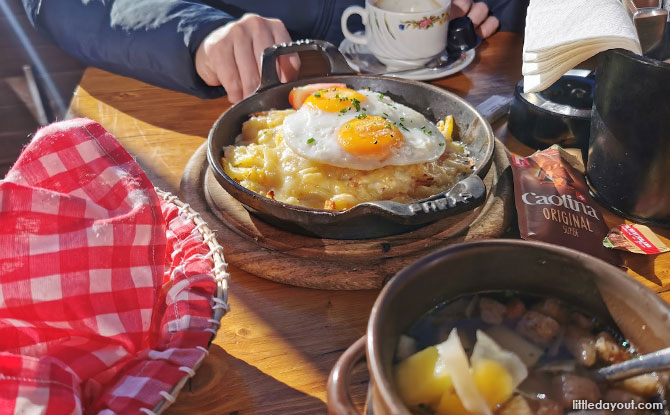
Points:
(361, 130)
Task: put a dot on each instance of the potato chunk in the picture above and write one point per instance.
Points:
(417, 381)
(450, 403)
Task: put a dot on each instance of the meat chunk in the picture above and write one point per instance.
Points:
(581, 344)
(646, 385)
(515, 309)
(492, 311)
(609, 350)
(621, 396)
(515, 406)
(568, 388)
(537, 327)
(548, 407)
(553, 308)
(537, 383)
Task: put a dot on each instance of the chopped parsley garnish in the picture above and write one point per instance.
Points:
(337, 95)
(311, 140)
(441, 144)
(402, 119)
(361, 116)
(381, 96)
(344, 110)
(389, 126)
(316, 94)
(357, 104)
(403, 127)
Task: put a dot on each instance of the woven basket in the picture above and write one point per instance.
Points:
(221, 276)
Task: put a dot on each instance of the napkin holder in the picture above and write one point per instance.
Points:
(628, 167)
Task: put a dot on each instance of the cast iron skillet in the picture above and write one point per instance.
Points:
(365, 220)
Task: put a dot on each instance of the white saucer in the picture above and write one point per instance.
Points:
(360, 59)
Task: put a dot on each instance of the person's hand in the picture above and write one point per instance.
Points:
(478, 12)
(231, 55)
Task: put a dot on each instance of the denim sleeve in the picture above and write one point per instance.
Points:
(510, 13)
(316, 19)
(151, 40)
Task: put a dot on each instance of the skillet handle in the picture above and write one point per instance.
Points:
(463, 196)
(337, 65)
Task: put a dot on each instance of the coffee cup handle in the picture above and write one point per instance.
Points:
(338, 394)
(361, 40)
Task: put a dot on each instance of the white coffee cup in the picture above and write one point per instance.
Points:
(401, 39)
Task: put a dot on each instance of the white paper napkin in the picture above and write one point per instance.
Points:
(560, 34)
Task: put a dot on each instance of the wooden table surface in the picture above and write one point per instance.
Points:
(275, 349)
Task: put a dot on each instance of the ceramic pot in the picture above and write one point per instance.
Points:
(585, 282)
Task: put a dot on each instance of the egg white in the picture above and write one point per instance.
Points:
(312, 133)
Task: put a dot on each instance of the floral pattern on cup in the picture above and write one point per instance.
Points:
(425, 23)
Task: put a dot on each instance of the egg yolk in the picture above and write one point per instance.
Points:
(369, 136)
(336, 100)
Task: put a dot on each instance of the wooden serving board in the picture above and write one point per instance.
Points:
(268, 252)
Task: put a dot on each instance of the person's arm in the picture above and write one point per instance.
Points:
(151, 40)
(231, 55)
(511, 13)
(314, 19)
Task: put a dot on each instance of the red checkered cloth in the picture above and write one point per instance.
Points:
(106, 291)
